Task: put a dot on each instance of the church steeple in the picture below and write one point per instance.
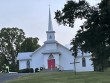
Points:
(50, 27)
(50, 32)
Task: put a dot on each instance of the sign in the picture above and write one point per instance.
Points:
(74, 62)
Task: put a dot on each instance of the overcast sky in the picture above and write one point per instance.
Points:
(32, 17)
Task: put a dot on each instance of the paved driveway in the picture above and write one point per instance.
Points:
(10, 76)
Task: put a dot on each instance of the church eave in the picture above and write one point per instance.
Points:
(50, 41)
(54, 51)
(51, 53)
(84, 56)
(24, 59)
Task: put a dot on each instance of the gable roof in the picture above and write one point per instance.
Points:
(24, 55)
(37, 50)
(64, 47)
(49, 51)
(79, 52)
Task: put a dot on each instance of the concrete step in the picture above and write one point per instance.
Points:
(50, 70)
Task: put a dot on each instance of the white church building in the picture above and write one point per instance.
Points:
(53, 55)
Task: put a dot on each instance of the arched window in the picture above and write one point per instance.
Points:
(50, 37)
(83, 62)
(28, 64)
(51, 56)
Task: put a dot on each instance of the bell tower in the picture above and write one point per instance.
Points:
(50, 32)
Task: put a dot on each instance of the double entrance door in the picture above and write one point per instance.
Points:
(51, 64)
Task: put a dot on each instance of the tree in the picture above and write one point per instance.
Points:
(73, 10)
(3, 63)
(10, 42)
(94, 34)
(29, 45)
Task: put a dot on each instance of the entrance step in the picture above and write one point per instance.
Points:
(50, 70)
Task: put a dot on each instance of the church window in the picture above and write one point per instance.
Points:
(51, 56)
(28, 64)
(83, 62)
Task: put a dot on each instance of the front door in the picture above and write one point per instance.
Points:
(51, 63)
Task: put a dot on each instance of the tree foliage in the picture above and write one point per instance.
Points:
(94, 35)
(29, 45)
(73, 10)
(10, 41)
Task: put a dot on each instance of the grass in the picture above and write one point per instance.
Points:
(65, 77)
(1, 74)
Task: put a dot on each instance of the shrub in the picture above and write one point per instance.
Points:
(31, 70)
(27, 70)
(36, 69)
(41, 68)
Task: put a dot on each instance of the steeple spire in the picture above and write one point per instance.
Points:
(50, 32)
(50, 27)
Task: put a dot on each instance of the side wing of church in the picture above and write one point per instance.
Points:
(53, 55)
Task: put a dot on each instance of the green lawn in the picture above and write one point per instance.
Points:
(65, 77)
(1, 74)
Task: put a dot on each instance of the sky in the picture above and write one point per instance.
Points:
(32, 17)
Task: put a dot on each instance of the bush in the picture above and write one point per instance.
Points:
(41, 68)
(31, 70)
(36, 69)
(27, 70)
